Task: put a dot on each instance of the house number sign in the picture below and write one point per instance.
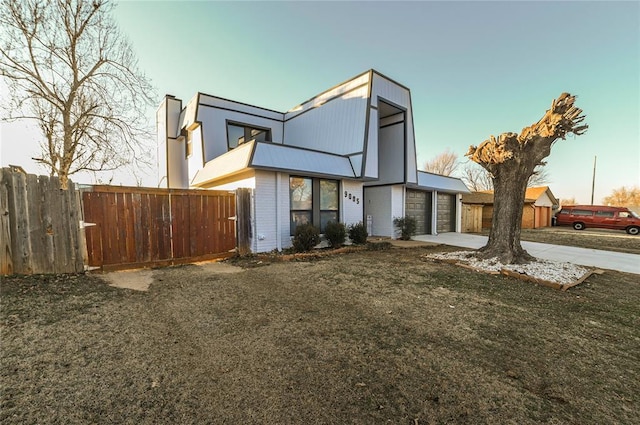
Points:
(351, 197)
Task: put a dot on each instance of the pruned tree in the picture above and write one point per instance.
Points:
(623, 197)
(71, 70)
(444, 163)
(511, 159)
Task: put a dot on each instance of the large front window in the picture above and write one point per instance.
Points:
(313, 201)
(238, 134)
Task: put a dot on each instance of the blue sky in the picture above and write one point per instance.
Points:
(474, 68)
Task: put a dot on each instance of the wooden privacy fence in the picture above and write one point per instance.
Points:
(132, 227)
(39, 225)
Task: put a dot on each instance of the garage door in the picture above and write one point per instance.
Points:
(418, 206)
(446, 213)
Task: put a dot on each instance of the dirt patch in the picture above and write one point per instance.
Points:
(363, 338)
(138, 279)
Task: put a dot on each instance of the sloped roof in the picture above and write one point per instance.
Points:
(273, 156)
(486, 198)
(441, 183)
(537, 192)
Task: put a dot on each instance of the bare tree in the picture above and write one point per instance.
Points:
(568, 201)
(476, 178)
(70, 69)
(623, 197)
(511, 159)
(479, 179)
(444, 163)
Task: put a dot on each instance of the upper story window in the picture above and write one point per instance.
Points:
(238, 134)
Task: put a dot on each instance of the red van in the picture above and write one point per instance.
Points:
(583, 216)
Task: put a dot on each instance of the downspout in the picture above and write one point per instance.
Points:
(278, 223)
(458, 212)
(434, 214)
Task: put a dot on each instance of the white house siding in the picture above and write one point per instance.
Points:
(351, 209)
(391, 154)
(171, 153)
(284, 215)
(214, 128)
(371, 164)
(397, 202)
(378, 205)
(161, 138)
(195, 161)
(264, 219)
(543, 201)
(400, 96)
(337, 126)
(339, 90)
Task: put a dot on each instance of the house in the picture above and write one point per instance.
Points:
(347, 154)
(538, 209)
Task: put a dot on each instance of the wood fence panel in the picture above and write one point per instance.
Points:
(40, 225)
(143, 226)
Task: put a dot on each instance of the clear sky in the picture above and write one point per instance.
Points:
(474, 68)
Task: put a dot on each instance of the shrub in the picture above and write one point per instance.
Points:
(358, 233)
(335, 233)
(406, 225)
(306, 237)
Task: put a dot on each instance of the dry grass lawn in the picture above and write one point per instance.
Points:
(363, 338)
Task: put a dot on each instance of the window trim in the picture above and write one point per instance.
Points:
(247, 132)
(316, 212)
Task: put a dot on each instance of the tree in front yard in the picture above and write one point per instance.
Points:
(511, 159)
(71, 71)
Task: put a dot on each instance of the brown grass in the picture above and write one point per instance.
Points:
(603, 239)
(363, 338)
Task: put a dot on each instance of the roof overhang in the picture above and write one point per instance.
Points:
(274, 157)
(439, 183)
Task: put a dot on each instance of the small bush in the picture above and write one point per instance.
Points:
(306, 237)
(406, 225)
(358, 233)
(335, 233)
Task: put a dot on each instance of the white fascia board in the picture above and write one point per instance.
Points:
(245, 108)
(279, 157)
(232, 162)
(441, 183)
(322, 98)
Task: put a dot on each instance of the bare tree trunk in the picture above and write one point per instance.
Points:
(511, 159)
(504, 237)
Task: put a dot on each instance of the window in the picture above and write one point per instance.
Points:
(314, 201)
(238, 134)
(582, 212)
(604, 214)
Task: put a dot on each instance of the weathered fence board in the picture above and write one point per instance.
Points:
(142, 226)
(39, 225)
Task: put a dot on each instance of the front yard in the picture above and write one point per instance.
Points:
(364, 338)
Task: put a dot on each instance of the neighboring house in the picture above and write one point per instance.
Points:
(347, 154)
(538, 209)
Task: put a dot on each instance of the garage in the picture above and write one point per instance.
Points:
(418, 206)
(446, 208)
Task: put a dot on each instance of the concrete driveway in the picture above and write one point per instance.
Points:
(628, 263)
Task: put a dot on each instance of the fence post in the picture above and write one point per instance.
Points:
(6, 258)
(243, 220)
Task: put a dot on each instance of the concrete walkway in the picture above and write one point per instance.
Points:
(628, 263)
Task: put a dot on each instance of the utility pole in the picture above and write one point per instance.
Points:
(593, 182)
